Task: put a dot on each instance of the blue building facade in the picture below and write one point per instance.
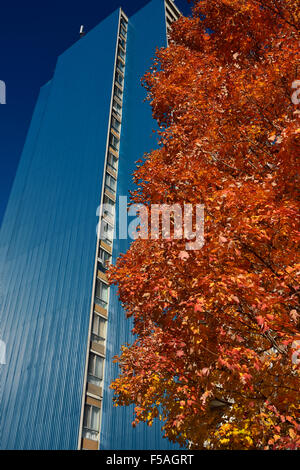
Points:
(60, 322)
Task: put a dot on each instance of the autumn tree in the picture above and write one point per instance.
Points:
(215, 356)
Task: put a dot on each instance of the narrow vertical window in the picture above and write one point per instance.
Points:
(112, 161)
(108, 207)
(115, 124)
(107, 232)
(117, 107)
(95, 370)
(99, 329)
(110, 182)
(101, 295)
(118, 92)
(91, 422)
(104, 257)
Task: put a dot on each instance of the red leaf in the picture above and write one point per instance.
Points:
(198, 308)
(180, 353)
(260, 320)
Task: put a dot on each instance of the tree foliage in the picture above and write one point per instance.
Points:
(216, 329)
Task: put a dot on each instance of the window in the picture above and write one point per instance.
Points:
(95, 370)
(99, 329)
(101, 294)
(118, 92)
(117, 107)
(101, 267)
(123, 31)
(122, 42)
(124, 23)
(115, 124)
(172, 17)
(120, 65)
(171, 6)
(91, 422)
(121, 53)
(114, 141)
(119, 78)
(112, 161)
(108, 207)
(110, 183)
(104, 256)
(107, 232)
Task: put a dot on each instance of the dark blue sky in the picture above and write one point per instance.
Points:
(33, 33)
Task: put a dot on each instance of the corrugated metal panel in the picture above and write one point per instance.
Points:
(147, 30)
(48, 244)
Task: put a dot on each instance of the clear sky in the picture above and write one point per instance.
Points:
(33, 33)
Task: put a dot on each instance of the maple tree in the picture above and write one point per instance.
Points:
(215, 354)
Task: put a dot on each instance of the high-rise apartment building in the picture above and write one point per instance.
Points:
(60, 323)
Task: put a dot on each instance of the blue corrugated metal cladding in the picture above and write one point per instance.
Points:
(48, 242)
(48, 246)
(146, 31)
